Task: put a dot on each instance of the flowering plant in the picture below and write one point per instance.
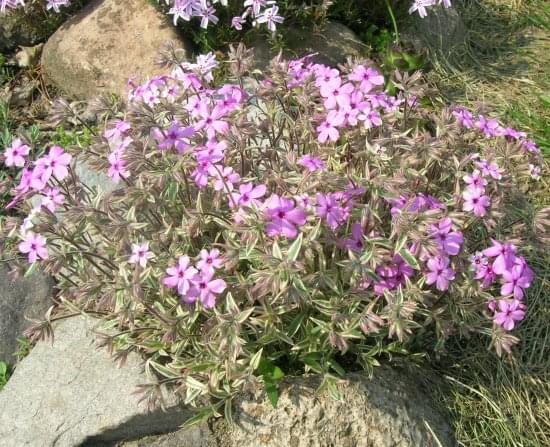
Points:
(304, 220)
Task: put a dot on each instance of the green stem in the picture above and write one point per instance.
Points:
(393, 21)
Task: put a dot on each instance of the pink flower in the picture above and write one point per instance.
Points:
(211, 121)
(225, 178)
(119, 130)
(180, 276)
(371, 118)
(515, 280)
(335, 93)
(117, 169)
(439, 272)
(271, 18)
(329, 209)
(475, 201)
(504, 254)
(448, 241)
(210, 260)
(248, 193)
(283, 217)
(490, 128)
(140, 254)
(489, 169)
(237, 22)
(368, 77)
(55, 163)
(34, 246)
(475, 180)
(205, 288)
(312, 164)
(327, 132)
(51, 198)
(15, 153)
(509, 311)
(176, 136)
(464, 118)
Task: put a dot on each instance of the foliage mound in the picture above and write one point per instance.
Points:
(296, 220)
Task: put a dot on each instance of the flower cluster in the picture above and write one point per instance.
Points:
(347, 218)
(259, 11)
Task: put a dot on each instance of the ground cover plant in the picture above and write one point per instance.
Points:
(504, 402)
(301, 220)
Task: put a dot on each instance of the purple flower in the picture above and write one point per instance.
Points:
(475, 201)
(515, 280)
(117, 169)
(56, 4)
(176, 136)
(15, 153)
(329, 208)
(327, 132)
(140, 254)
(354, 243)
(475, 180)
(509, 311)
(205, 288)
(371, 118)
(504, 254)
(312, 164)
(489, 169)
(180, 276)
(55, 163)
(237, 22)
(270, 17)
(448, 241)
(490, 128)
(439, 272)
(34, 246)
(225, 178)
(464, 117)
(118, 131)
(247, 195)
(335, 93)
(283, 217)
(210, 260)
(368, 77)
(51, 198)
(420, 6)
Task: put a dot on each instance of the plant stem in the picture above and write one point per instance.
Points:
(393, 21)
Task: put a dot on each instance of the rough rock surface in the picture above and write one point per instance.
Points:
(25, 297)
(333, 44)
(70, 394)
(442, 31)
(106, 43)
(391, 410)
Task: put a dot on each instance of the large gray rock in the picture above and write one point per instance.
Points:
(20, 299)
(70, 393)
(109, 41)
(391, 410)
(442, 32)
(333, 45)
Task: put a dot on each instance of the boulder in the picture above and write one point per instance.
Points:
(69, 393)
(20, 299)
(442, 32)
(391, 409)
(333, 44)
(103, 45)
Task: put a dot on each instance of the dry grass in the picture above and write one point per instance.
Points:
(505, 70)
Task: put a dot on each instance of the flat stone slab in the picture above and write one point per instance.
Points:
(69, 393)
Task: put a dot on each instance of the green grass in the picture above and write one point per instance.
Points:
(4, 374)
(493, 401)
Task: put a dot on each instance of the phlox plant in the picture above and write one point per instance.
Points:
(301, 220)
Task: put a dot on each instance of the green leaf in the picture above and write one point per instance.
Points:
(272, 392)
(294, 249)
(31, 269)
(255, 359)
(337, 367)
(409, 258)
(401, 243)
(277, 251)
(228, 411)
(164, 370)
(201, 416)
(277, 373)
